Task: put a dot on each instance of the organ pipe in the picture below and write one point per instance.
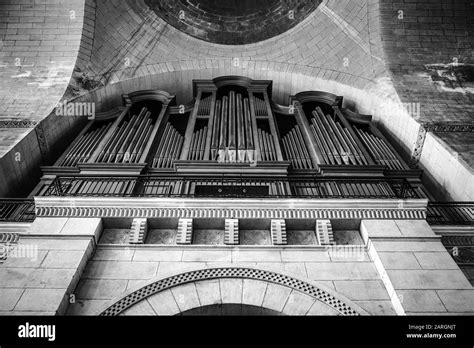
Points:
(198, 144)
(232, 133)
(126, 145)
(83, 149)
(337, 144)
(260, 107)
(169, 148)
(379, 150)
(215, 130)
(295, 149)
(248, 126)
(223, 130)
(205, 106)
(241, 146)
(232, 141)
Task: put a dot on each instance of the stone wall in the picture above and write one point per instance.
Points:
(114, 270)
(42, 270)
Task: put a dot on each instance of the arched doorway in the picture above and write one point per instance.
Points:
(233, 290)
(226, 309)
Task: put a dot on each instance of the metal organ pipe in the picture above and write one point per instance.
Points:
(223, 130)
(356, 146)
(76, 154)
(338, 145)
(191, 147)
(263, 148)
(233, 134)
(130, 133)
(339, 151)
(83, 147)
(344, 149)
(169, 147)
(355, 156)
(93, 142)
(205, 106)
(70, 159)
(126, 133)
(232, 141)
(319, 143)
(370, 147)
(327, 139)
(292, 144)
(197, 140)
(271, 151)
(126, 142)
(159, 151)
(241, 147)
(248, 126)
(215, 130)
(137, 130)
(260, 107)
(322, 140)
(303, 147)
(379, 150)
(104, 155)
(141, 132)
(202, 144)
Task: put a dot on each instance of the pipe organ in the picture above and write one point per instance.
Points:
(169, 148)
(128, 141)
(379, 150)
(267, 146)
(198, 143)
(233, 128)
(296, 150)
(82, 149)
(335, 142)
(232, 134)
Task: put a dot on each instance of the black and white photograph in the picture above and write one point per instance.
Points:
(302, 170)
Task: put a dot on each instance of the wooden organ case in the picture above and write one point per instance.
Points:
(232, 140)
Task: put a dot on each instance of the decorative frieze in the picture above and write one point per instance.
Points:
(441, 127)
(18, 124)
(231, 236)
(418, 149)
(278, 230)
(378, 214)
(435, 127)
(42, 142)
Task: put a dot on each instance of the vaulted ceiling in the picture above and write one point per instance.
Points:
(233, 22)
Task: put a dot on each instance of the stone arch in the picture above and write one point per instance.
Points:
(272, 291)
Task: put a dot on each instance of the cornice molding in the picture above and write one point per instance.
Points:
(228, 208)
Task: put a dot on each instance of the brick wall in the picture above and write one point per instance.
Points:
(421, 40)
(39, 43)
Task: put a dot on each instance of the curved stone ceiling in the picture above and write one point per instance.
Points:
(234, 22)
